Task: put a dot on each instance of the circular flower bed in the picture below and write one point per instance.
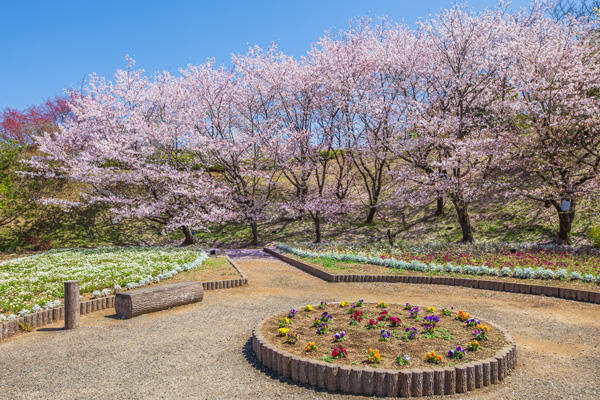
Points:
(407, 346)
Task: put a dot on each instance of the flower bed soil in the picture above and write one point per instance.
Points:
(359, 339)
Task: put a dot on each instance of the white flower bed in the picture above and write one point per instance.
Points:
(523, 273)
(30, 284)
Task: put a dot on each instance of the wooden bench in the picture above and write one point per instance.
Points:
(155, 298)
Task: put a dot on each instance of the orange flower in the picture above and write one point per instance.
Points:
(462, 316)
(433, 358)
(311, 346)
(373, 356)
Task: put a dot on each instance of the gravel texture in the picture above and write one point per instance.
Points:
(203, 350)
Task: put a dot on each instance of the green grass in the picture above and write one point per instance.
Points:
(215, 263)
(514, 221)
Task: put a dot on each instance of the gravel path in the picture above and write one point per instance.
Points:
(202, 350)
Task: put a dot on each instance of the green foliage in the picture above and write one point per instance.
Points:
(114, 164)
(594, 236)
(14, 190)
(330, 154)
(9, 153)
(438, 333)
(25, 327)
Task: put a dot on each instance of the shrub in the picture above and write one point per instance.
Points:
(594, 236)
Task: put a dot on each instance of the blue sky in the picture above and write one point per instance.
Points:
(47, 46)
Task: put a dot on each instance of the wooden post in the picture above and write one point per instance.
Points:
(71, 304)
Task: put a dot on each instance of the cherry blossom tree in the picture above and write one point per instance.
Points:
(128, 148)
(228, 114)
(556, 146)
(308, 147)
(452, 143)
(18, 192)
(302, 152)
(374, 116)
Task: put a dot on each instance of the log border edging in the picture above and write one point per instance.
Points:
(385, 382)
(46, 317)
(499, 286)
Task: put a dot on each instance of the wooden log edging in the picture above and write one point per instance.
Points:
(46, 317)
(500, 286)
(385, 382)
(319, 273)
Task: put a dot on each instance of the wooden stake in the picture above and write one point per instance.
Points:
(71, 304)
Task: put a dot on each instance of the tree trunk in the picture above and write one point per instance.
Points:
(371, 215)
(254, 227)
(189, 237)
(565, 221)
(317, 221)
(440, 206)
(390, 237)
(462, 212)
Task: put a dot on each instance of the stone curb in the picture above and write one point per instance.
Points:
(46, 317)
(499, 286)
(384, 382)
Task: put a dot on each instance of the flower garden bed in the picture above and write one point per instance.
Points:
(488, 260)
(29, 284)
(222, 272)
(500, 285)
(385, 349)
(347, 268)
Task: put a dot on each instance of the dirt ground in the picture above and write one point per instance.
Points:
(203, 350)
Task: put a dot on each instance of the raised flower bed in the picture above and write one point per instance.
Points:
(552, 288)
(385, 349)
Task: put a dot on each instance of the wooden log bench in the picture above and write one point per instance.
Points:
(155, 298)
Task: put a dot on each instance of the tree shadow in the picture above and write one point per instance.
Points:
(114, 316)
(50, 329)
